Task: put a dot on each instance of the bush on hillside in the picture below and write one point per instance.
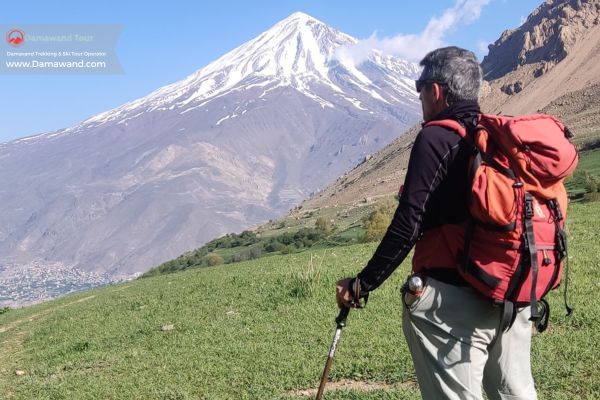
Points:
(247, 254)
(245, 246)
(591, 185)
(213, 259)
(231, 240)
(287, 250)
(324, 226)
(376, 224)
(584, 180)
(168, 267)
(590, 197)
(273, 246)
(305, 237)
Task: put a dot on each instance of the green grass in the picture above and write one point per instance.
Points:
(261, 329)
(589, 165)
(589, 160)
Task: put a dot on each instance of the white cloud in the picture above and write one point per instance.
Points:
(523, 19)
(414, 46)
(482, 49)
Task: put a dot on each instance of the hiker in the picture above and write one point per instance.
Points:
(454, 334)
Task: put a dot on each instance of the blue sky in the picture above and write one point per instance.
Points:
(163, 42)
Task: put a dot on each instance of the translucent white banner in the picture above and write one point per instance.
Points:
(59, 49)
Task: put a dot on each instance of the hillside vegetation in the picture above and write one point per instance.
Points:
(261, 330)
(340, 224)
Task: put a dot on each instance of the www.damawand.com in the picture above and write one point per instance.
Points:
(55, 64)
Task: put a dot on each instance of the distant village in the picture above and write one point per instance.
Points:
(26, 284)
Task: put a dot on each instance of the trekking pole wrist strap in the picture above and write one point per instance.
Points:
(355, 292)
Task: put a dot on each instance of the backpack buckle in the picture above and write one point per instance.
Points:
(556, 209)
(528, 206)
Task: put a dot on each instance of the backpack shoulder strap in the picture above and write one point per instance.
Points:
(464, 124)
(451, 124)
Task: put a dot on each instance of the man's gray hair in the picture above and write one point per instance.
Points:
(456, 69)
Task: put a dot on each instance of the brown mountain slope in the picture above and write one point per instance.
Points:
(378, 176)
(580, 111)
(555, 52)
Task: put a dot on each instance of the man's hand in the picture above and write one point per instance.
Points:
(342, 293)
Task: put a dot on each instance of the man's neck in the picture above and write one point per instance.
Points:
(460, 107)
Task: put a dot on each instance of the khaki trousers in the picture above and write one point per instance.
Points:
(458, 348)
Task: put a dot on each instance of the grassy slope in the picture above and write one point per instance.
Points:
(590, 161)
(258, 329)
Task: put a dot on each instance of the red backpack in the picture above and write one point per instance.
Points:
(514, 243)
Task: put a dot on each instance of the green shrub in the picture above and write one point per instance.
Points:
(287, 238)
(247, 254)
(582, 180)
(305, 282)
(287, 250)
(246, 238)
(323, 225)
(376, 224)
(214, 259)
(274, 245)
(590, 197)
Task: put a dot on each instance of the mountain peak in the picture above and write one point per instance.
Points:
(300, 20)
(297, 48)
(296, 52)
(300, 16)
(300, 34)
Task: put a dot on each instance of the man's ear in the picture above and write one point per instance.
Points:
(438, 92)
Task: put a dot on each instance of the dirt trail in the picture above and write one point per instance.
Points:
(33, 317)
(13, 343)
(347, 384)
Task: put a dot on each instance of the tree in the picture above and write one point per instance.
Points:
(323, 225)
(376, 224)
(214, 259)
(274, 245)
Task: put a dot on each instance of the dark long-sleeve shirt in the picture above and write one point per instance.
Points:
(435, 193)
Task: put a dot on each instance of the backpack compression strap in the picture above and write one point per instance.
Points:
(533, 258)
(561, 248)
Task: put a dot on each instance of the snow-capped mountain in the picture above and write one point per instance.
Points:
(238, 142)
(297, 52)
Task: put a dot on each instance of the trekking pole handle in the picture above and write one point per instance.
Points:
(341, 318)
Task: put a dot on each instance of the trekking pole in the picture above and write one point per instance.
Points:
(341, 322)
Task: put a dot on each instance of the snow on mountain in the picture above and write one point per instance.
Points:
(239, 141)
(295, 52)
